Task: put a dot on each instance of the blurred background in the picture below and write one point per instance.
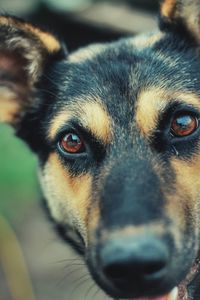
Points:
(34, 263)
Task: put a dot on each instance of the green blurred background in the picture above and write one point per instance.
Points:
(18, 184)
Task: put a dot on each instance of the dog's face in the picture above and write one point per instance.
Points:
(116, 129)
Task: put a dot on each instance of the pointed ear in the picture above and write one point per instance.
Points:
(181, 15)
(24, 52)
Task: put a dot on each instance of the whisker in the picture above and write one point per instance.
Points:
(73, 265)
(96, 293)
(50, 93)
(49, 78)
(68, 260)
(89, 290)
(81, 281)
(175, 150)
(66, 276)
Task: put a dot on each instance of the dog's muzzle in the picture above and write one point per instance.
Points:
(142, 261)
(137, 267)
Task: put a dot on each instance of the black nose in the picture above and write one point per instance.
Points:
(134, 263)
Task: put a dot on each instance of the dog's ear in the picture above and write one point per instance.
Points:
(24, 52)
(181, 15)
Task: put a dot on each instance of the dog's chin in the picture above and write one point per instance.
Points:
(173, 295)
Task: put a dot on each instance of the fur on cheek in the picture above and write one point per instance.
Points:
(68, 198)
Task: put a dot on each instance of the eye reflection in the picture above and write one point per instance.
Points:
(184, 125)
(72, 143)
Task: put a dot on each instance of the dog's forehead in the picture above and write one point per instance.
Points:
(114, 80)
(154, 60)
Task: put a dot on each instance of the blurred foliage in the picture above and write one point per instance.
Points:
(18, 182)
(144, 4)
(19, 7)
(13, 264)
(23, 7)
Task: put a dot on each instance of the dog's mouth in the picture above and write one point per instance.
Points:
(173, 295)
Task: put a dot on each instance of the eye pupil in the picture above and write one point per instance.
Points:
(184, 125)
(72, 143)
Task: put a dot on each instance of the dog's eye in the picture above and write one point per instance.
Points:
(72, 143)
(184, 124)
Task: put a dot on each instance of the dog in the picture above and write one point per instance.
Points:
(116, 128)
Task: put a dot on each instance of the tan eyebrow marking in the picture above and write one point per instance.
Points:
(154, 101)
(145, 40)
(89, 52)
(91, 114)
(149, 104)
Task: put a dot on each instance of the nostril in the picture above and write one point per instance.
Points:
(126, 270)
(153, 267)
(118, 271)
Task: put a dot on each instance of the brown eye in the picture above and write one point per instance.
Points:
(183, 125)
(72, 143)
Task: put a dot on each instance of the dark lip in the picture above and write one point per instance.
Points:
(117, 294)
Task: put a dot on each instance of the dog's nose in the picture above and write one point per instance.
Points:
(130, 262)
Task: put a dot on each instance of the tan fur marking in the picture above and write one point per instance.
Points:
(187, 175)
(185, 200)
(189, 98)
(153, 101)
(155, 228)
(93, 221)
(8, 105)
(68, 197)
(168, 8)
(174, 208)
(89, 52)
(49, 41)
(150, 103)
(58, 121)
(97, 120)
(144, 40)
(94, 216)
(91, 114)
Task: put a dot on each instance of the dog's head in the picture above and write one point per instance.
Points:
(116, 128)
